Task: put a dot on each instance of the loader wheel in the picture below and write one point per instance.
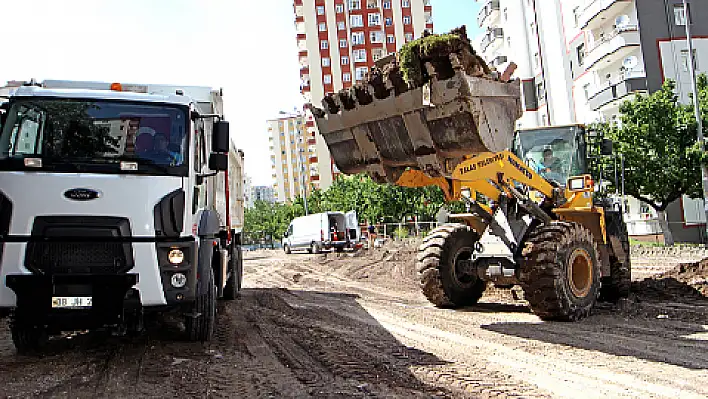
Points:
(617, 284)
(443, 277)
(28, 338)
(560, 272)
(200, 324)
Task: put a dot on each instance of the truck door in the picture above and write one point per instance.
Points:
(352, 226)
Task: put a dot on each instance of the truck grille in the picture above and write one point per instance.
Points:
(81, 249)
(77, 257)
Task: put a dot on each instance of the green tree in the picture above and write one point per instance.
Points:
(657, 137)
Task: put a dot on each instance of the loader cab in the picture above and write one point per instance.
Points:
(554, 152)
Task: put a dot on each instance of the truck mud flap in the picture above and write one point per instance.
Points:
(36, 294)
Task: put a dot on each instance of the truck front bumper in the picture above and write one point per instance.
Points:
(48, 300)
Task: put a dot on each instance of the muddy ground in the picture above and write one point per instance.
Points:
(356, 325)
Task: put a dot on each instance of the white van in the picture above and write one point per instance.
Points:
(322, 231)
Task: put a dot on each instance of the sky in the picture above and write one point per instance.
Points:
(248, 48)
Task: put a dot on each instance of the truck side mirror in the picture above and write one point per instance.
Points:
(606, 147)
(219, 162)
(220, 137)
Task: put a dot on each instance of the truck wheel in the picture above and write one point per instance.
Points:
(233, 284)
(314, 248)
(201, 326)
(442, 276)
(27, 337)
(286, 248)
(560, 272)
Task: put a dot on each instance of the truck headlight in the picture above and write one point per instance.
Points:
(178, 280)
(176, 256)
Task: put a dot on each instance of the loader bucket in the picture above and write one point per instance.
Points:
(431, 128)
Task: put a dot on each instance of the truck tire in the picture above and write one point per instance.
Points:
(438, 268)
(560, 271)
(28, 338)
(314, 248)
(200, 324)
(233, 284)
(286, 249)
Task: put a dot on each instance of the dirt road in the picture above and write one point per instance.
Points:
(330, 326)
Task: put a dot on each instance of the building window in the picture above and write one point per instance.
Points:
(327, 79)
(320, 10)
(391, 39)
(388, 21)
(361, 72)
(406, 20)
(679, 15)
(324, 45)
(358, 38)
(339, 8)
(508, 42)
(376, 37)
(540, 91)
(409, 37)
(359, 56)
(506, 14)
(387, 5)
(342, 43)
(345, 60)
(374, 19)
(356, 21)
(685, 60)
(341, 25)
(580, 50)
(586, 90)
(405, 4)
(354, 4)
(372, 3)
(322, 26)
(325, 62)
(377, 54)
(346, 77)
(536, 60)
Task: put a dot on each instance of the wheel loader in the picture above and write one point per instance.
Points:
(530, 220)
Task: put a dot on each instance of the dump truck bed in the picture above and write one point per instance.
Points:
(431, 128)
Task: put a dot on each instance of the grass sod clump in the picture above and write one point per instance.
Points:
(413, 54)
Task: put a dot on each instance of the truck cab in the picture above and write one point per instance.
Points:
(115, 203)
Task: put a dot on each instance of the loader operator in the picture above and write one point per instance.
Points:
(549, 163)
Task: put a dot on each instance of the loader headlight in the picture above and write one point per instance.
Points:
(176, 256)
(576, 184)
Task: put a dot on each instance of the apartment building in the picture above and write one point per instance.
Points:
(580, 59)
(263, 193)
(338, 41)
(293, 157)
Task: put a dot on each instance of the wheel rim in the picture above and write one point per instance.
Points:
(580, 272)
(463, 279)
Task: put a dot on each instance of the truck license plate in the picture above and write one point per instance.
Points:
(71, 302)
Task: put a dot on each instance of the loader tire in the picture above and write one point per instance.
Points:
(560, 271)
(439, 277)
(200, 325)
(617, 284)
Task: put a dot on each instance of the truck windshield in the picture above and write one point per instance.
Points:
(555, 153)
(67, 134)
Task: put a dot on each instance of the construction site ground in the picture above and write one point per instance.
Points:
(356, 325)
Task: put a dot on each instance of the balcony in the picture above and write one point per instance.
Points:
(599, 12)
(492, 39)
(489, 13)
(498, 60)
(614, 47)
(614, 92)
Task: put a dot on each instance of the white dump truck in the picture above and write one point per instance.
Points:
(116, 200)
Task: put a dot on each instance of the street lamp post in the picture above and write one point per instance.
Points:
(696, 107)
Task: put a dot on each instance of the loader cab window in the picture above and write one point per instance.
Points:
(555, 153)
